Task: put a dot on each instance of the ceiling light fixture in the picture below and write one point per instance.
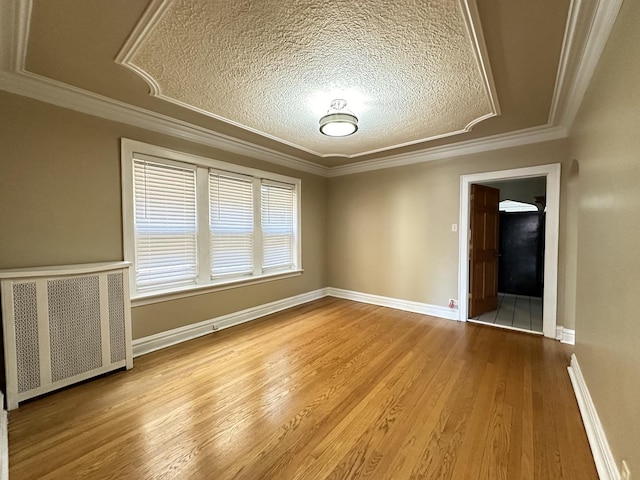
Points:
(339, 121)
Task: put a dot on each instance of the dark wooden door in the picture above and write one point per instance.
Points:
(483, 250)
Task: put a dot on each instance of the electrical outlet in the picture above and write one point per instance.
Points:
(626, 473)
(452, 303)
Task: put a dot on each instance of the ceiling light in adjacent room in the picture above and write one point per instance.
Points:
(339, 121)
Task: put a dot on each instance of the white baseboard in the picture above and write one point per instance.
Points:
(605, 463)
(406, 305)
(160, 340)
(566, 335)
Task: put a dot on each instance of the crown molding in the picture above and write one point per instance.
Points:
(603, 19)
(466, 129)
(476, 34)
(14, 33)
(588, 27)
(589, 24)
(569, 56)
(496, 142)
(150, 18)
(156, 9)
(67, 96)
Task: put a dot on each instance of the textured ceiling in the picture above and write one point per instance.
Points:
(410, 71)
(75, 42)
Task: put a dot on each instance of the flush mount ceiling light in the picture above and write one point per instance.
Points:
(339, 121)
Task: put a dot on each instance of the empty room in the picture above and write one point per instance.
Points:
(320, 240)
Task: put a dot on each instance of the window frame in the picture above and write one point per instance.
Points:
(204, 283)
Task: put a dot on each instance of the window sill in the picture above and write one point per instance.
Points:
(166, 295)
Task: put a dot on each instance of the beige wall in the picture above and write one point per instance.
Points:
(390, 230)
(60, 203)
(605, 142)
(385, 232)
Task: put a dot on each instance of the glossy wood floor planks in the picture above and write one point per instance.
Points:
(329, 390)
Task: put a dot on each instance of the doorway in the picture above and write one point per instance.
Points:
(520, 212)
(551, 174)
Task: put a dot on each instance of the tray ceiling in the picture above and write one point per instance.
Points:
(410, 71)
(263, 73)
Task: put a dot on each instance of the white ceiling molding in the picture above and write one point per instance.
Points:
(67, 96)
(14, 33)
(451, 29)
(149, 19)
(15, 17)
(588, 28)
(581, 51)
(495, 142)
(568, 62)
(467, 128)
(474, 25)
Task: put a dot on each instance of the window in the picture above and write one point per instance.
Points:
(192, 222)
(278, 205)
(165, 224)
(515, 206)
(231, 225)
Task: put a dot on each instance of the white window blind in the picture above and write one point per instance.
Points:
(231, 224)
(192, 223)
(278, 220)
(165, 224)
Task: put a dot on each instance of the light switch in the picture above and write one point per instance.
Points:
(454, 227)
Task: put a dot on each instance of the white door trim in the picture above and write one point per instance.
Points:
(550, 296)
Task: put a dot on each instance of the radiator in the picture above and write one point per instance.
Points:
(63, 325)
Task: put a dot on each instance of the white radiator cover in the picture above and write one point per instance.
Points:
(62, 325)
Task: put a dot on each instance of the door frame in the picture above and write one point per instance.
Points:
(550, 292)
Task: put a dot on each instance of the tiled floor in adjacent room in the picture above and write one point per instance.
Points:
(515, 311)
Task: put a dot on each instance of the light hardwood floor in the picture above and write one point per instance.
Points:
(332, 389)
